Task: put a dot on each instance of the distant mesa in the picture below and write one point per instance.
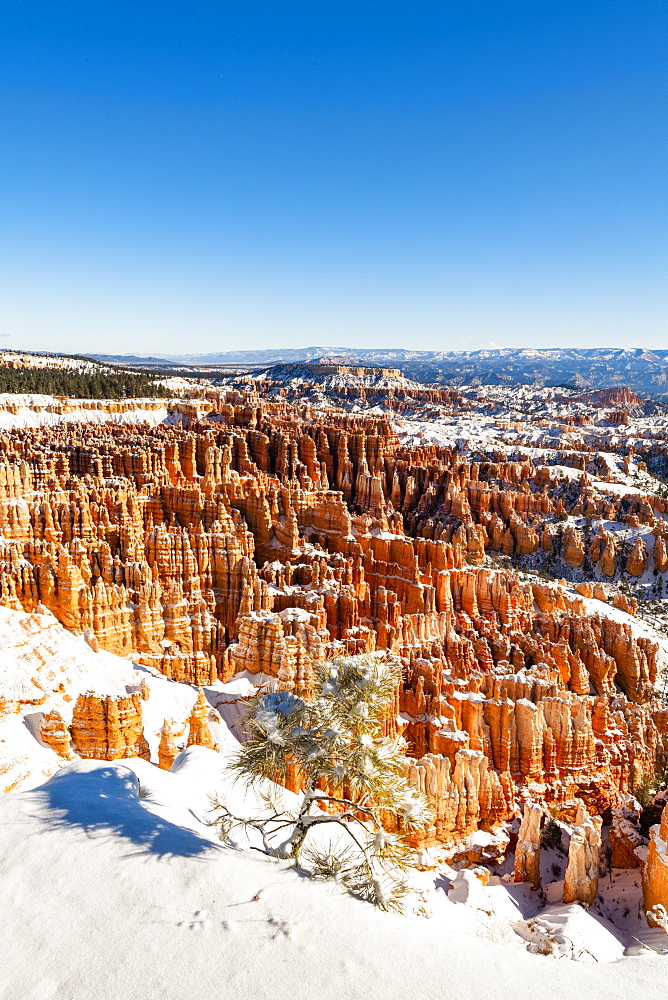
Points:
(585, 369)
(342, 366)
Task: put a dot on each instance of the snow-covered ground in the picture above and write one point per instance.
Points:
(508, 430)
(110, 868)
(182, 386)
(28, 359)
(43, 668)
(114, 885)
(38, 410)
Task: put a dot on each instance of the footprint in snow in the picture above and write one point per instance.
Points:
(286, 925)
(198, 922)
(281, 926)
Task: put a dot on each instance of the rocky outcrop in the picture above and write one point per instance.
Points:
(660, 555)
(260, 537)
(625, 603)
(463, 796)
(172, 741)
(527, 851)
(581, 880)
(199, 733)
(637, 561)
(55, 734)
(281, 645)
(108, 728)
(603, 550)
(573, 550)
(655, 873)
(624, 837)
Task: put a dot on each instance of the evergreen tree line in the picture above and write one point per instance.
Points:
(81, 384)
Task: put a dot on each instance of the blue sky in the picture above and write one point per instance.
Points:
(209, 175)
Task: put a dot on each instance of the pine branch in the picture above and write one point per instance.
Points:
(336, 738)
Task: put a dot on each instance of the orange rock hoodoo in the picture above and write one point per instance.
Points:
(169, 746)
(199, 733)
(527, 852)
(269, 536)
(55, 734)
(581, 880)
(655, 874)
(108, 728)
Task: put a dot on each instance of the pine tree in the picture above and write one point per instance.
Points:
(112, 384)
(353, 778)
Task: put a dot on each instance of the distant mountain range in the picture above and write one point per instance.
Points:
(588, 368)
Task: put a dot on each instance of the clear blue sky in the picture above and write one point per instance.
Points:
(208, 175)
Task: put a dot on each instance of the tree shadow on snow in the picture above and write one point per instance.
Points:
(106, 801)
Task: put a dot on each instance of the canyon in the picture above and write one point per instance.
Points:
(510, 552)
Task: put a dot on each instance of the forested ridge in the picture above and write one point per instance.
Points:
(81, 384)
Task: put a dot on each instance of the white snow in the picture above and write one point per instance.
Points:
(19, 410)
(175, 383)
(43, 668)
(27, 359)
(566, 930)
(110, 867)
(114, 885)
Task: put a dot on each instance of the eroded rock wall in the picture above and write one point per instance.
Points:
(269, 536)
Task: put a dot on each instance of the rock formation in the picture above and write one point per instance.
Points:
(259, 535)
(573, 547)
(108, 728)
(624, 837)
(199, 733)
(660, 555)
(55, 733)
(636, 562)
(171, 743)
(655, 872)
(527, 852)
(581, 881)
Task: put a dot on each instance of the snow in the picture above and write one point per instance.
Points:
(183, 385)
(505, 419)
(565, 472)
(23, 410)
(566, 930)
(43, 668)
(27, 359)
(118, 887)
(617, 489)
(38, 656)
(116, 866)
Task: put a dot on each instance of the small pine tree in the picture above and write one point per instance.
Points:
(551, 835)
(334, 741)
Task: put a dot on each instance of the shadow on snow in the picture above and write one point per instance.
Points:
(106, 800)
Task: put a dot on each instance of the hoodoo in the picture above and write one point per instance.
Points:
(249, 535)
(220, 548)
